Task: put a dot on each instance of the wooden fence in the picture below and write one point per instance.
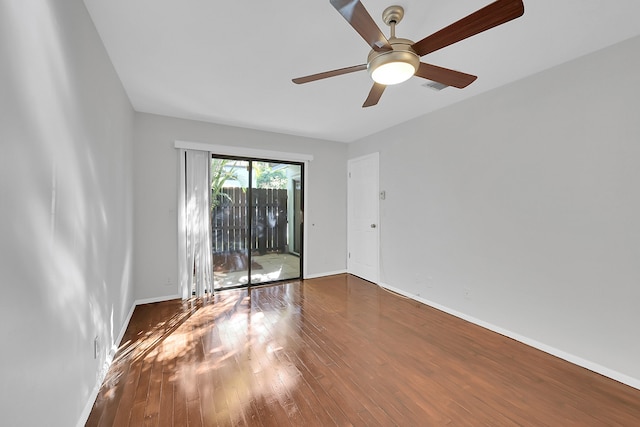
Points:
(230, 221)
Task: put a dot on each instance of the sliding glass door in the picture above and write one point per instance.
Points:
(256, 211)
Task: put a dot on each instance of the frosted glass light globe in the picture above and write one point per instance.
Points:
(393, 73)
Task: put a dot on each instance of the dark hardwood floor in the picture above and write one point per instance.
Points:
(340, 351)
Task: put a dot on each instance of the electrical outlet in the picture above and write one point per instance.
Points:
(467, 293)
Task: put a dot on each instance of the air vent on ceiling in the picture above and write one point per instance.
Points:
(435, 85)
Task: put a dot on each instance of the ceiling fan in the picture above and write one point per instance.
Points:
(394, 60)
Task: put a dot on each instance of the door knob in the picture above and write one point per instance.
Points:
(373, 226)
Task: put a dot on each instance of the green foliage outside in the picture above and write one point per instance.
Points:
(223, 170)
(220, 173)
(266, 177)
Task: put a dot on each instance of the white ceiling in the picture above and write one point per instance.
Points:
(232, 63)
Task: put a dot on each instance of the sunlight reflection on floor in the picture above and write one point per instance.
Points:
(234, 344)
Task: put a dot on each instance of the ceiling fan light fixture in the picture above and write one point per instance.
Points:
(393, 73)
(395, 66)
(394, 60)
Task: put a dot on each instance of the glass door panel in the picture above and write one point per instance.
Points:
(274, 219)
(229, 222)
(256, 211)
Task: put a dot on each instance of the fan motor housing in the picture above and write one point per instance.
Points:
(401, 52)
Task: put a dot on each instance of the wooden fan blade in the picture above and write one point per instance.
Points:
(374, 95)
(445, 76)
(356, 15)
(490, 16)
(327, 74)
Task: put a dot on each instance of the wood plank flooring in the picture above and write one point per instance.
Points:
(340, 351)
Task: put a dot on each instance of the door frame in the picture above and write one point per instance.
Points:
(239, 151)
(251, 204)
(297, 207)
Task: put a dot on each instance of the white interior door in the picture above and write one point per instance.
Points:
(363, 226)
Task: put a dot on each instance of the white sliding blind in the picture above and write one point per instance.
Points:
(194, 224)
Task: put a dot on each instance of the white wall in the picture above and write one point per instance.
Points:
(528, 197)
(156, 178)
(66, 212)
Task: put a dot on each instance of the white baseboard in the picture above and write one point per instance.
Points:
(328, 273)
(579, 361)
(112, 352)
(84, 416)
(156, 299)
(125, 325)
